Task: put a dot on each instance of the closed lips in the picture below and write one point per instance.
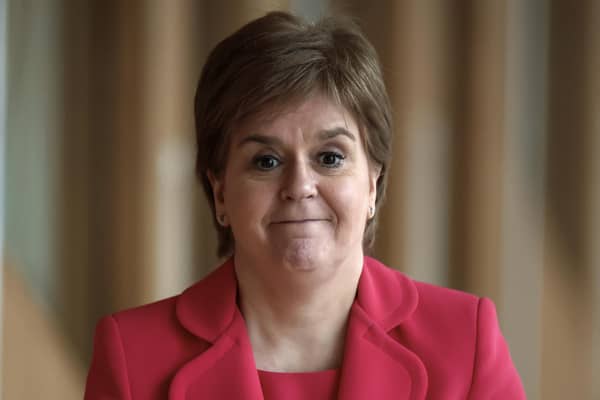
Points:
(299, 221)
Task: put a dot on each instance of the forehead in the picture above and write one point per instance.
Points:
(309, 116)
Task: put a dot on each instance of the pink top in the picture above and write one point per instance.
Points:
(321, 385)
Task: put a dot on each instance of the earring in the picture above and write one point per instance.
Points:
(222, 219)
(371, 212)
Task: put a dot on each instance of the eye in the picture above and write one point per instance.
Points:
(331, 159)
(266, 162)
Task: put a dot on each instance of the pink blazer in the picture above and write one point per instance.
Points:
(405, 340)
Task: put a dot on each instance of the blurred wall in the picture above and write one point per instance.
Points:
(3, 80)
(495, 185)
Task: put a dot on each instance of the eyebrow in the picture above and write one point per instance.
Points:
(262, 139)
(268, 140)
(333, 132)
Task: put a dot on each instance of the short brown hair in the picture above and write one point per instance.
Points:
(275, 60)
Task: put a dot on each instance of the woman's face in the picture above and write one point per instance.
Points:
(297, 187)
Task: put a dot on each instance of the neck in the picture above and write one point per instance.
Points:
(297, 323)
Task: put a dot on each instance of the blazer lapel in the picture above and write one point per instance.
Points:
(226, 370)
(376, 366)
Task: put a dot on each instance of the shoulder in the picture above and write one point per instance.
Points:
(158, 315)
(200, 309)
(152, 326)
(457, 337)
(432, 319)
(437, 301)
(418, 301)
(138, 349)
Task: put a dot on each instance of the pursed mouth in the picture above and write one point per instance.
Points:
(300, 221)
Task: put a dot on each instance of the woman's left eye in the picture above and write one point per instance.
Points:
(331, 159)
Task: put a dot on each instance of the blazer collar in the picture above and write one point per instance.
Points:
(386, 296)
(375, 364)
(226, 370)
(208, 308)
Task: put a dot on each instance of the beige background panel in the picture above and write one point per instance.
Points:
(37, 359)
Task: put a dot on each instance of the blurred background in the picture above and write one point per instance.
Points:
(495, 184)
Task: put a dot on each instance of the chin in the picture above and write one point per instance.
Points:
(304, 255)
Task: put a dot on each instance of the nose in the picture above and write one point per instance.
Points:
(299, 182)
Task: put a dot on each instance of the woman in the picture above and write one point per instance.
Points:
(293, 132)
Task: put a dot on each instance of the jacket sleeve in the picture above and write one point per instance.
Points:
(107, 377)
(494, 375)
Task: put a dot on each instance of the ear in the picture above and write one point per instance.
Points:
(218, 189)
(374, 173)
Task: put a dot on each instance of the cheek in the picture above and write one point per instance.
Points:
(247, 202)
(349, 200)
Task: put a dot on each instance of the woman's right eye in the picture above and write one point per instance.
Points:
(266, 163)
